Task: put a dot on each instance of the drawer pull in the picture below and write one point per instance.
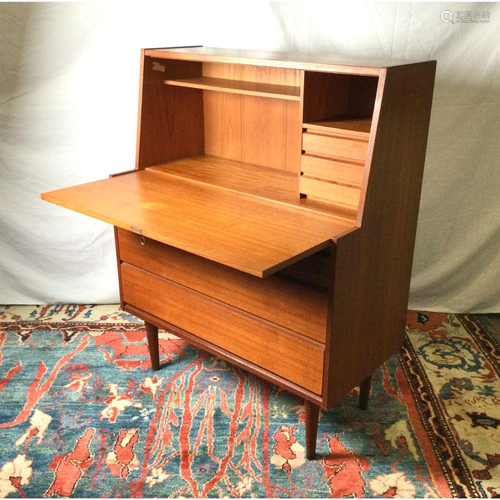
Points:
(143, 240)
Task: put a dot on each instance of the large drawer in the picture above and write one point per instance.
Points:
(288, 304)
(280, 351)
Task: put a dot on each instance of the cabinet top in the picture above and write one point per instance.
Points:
(296, 60)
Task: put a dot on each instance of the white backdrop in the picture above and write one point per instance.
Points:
(68, 107)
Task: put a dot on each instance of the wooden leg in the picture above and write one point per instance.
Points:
(312, 413)
(364, 392)
(152, 332)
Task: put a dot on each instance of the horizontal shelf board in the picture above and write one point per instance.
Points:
(348, 126)
(247, 233)
(287, 92)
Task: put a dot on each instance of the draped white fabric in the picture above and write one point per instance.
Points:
(68, 107)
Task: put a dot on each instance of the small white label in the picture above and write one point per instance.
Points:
(136, 229)
(158, 67)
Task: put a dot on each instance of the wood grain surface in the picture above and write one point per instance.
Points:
(373, 263)
(326, 190)
(170, 118)
(250, 128)
(288, 304)
(252, 235)
(337, 170)
(255, 180)
(226, 355)
(281, 351)
(239, 87)
(354, 149)
(321, 62)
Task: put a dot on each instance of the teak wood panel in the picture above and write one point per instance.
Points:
(253, 129)
(373, 263)
(263, 182)
(258, 89)
(226, 355)
(330, 95)
(317, 62)
(354, 149)
(285, 353)
(343, 126)
(330, 191)
(288, 304)
(325, 95)
(170, 118)
(341, 172)
(255, 180)
(252, 235)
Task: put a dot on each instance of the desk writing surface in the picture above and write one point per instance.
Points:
(252, 235)
(262, 182)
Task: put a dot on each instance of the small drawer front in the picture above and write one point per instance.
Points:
(353, 149)
(350, 174)
(285, 353)
(288, 304)
(330, 191)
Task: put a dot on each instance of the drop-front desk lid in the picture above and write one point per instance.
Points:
(251, 234)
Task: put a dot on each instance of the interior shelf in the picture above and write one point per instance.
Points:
(286, 92)
(343, 125)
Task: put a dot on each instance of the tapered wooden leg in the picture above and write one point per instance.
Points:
(312, 413)
(364, 392)
(152, 332)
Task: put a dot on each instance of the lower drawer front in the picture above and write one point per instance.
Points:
(273, 348)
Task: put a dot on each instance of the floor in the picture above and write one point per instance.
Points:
(83, 415)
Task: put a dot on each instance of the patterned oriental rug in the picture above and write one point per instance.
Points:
(82, 415)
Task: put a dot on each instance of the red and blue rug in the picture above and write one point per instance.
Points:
(82, 415)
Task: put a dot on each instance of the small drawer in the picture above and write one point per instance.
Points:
(353, 149)
(333, 170)
(329, 191)
(280, 351)
(292, 305)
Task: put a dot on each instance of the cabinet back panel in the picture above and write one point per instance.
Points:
(247, 73)
(327, 95)
(253, 129)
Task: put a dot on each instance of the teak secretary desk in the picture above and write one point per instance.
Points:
(271, 216)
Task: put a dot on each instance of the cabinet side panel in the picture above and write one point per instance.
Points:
(118, 261)
(373, 263)
(170, 118)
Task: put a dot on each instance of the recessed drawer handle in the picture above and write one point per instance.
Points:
(142, 240)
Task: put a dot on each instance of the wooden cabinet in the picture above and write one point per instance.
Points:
(272, 213)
